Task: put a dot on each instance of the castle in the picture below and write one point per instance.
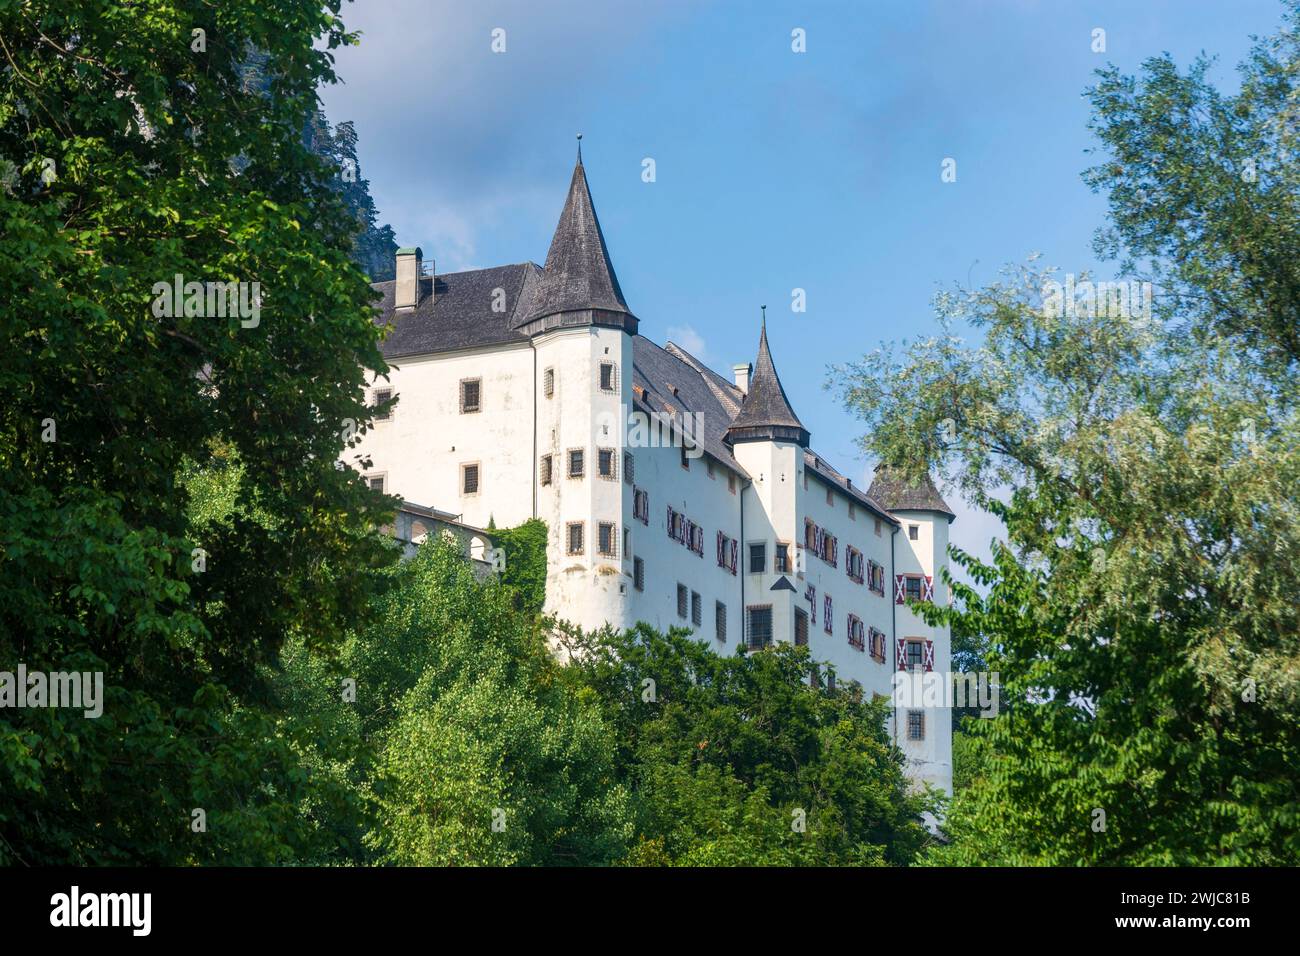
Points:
(672, 495)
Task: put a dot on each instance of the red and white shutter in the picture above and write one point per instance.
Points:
(928, 593)
(735, 550)
(902, 653)
(929, 655)
(719, 548)
(900, 588)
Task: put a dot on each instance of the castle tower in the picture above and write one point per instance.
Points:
(581, 329)
(768, 439)
(921, 553)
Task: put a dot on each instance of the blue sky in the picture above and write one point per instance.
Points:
(774, 170)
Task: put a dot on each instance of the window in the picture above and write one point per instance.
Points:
(853, 564)
(575, 531)
(853, 512)
(469, 479)
(913, 588)
(377, 482)
(686, 462)
(758, 558)
(800, 627)
(731, 482)
(782, 558)
(641, 505)
(828, 618)
(607, 463)
(916, 725)
(548, 383)
(708, 465)
(577, 463)
(682, 595)
(857, 633)
(877, 527)
(913, 531)
(607, 539)
(876, 644)
(379, 397)
(627, 542)
(758, 626)
(608, 377)
(697, 609)
(830, 499)
(638, 573)
(876, 577)
(545, 470)
(726, 553)
(629, 467)
(720, 621)
(470, 397)
(830, 681)
(915, 655)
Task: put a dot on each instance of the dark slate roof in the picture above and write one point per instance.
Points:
(578, 275)
(673, 387)
(817, 466)
(895, 493)
(766, 415)
(459, 313)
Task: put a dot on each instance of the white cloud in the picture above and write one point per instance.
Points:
(690, 340)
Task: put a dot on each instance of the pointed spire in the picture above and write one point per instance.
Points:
(895, 493)
(578, 276)
(766, 415)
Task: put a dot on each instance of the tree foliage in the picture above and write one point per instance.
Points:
(1142, 613)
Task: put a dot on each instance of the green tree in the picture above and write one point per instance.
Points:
(739, 761)
(131, 153)
(1142, 614)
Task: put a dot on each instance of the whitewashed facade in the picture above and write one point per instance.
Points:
(523, 391)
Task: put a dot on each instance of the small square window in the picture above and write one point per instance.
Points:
(545, 470)
(720, 621)
(470, 395)
(548, 383)
(782, 558)
(607, 539)
(638, 573)
(697, 609)
(608, 377)
(377, 482)
(916, 725)
(913, 531)
(577, 463)
(469, 479)
(606, 463)
(574, 536)
(683, 598)
(380, 397)
(758, 558)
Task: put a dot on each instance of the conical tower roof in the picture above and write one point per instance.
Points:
(894, 493)
(578, 276)
(766, 415)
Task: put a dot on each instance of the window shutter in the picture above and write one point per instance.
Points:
(735, 548)
(929, 655)
(928, 593)
(718, 549)
(900, 588)
(902, 653)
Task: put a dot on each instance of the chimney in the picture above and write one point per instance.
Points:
(409, 268)
(742, 376)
